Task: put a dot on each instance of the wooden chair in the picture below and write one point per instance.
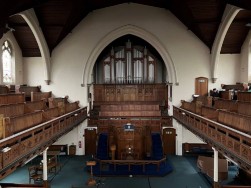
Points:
(35, 174)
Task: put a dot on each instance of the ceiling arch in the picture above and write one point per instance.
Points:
(172, 76)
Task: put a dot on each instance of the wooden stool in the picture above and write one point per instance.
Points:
(91, 181)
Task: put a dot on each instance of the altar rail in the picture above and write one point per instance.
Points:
(132, 162)
(20, 147)
(227, 140)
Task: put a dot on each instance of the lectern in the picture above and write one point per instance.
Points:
(91, 181)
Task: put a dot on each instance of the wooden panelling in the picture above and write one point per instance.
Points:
(143, 92)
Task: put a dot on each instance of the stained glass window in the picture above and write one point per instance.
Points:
(7, 64)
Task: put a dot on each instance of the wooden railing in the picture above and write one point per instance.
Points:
(20, 147)
(231, 142)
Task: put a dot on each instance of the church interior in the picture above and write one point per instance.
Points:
(125, 89)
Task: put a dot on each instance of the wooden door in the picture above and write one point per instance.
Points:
(90, 141)
(201, 86)
(169, 141)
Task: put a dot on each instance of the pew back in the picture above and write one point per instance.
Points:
(4, 89)
(51, 113)
(12, 98)
(57, 101)
(17, 124)
(35, 105)
(209, 112)
(37, 96)
(69, 107)
(244, 96)
(10, 110)
(236, 121)
(28, 89)
(229, 105)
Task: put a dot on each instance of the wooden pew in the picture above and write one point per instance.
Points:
(229, 105)
(28, 89)
(34, 106)
(244, 96)
(12, 98)
(194, 107)
(228, 87)
(69, 107)
(37, 96)
(51, 113)
(10, 110)
(244, 108)
(228, 95)
(57, 101)
(235, 120)
(12, 125)
(4, 89)
(209, 112)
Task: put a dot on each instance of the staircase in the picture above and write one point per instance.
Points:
(157, 149)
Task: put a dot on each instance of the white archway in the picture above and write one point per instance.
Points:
(139, 32)
(229, 15)
(31, 19)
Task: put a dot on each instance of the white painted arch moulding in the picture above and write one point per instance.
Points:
(31, 19)
(139, 32)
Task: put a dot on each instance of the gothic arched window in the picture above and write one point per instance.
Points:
(7, 62)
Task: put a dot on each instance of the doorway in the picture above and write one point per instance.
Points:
(201, 86)
(169, 141)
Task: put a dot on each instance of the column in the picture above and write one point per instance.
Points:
(45, 175)
(216, 169)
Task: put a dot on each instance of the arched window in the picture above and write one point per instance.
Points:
(7, 63)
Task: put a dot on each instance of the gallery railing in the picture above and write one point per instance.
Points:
(232, 143)
(21, 147)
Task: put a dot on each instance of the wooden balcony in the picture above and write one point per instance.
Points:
(233, 143)
(20, 147)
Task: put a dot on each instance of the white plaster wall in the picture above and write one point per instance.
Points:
(190, 56)
(245, 69)
(229, 69)
(17, 54)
